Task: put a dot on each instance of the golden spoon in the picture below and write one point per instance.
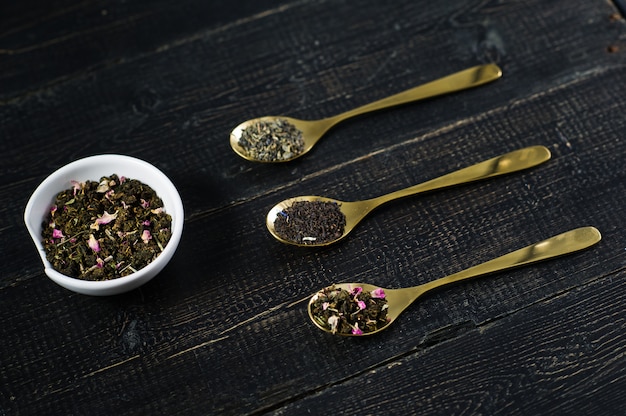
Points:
(313, 130)
(354, 212)
(398, 300)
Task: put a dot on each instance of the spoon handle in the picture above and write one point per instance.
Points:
(468, 78)
(510, 162)
(565, 243)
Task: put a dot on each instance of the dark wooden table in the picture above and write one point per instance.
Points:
(224, 328)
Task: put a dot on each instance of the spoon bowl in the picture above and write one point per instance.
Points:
(399, 299)
(355, 211)
(313, 130)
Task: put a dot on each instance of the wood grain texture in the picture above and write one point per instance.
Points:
(223, 329)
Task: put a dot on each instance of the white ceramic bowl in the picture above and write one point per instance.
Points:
(93, 168)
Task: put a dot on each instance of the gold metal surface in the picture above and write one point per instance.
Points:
(313, 130)
(357, 210)
(400, 299)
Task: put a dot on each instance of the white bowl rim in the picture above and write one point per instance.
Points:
(120, 284)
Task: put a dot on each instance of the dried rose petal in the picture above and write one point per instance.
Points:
(57, 233)
(77, 186)
(146, 236)
(106, 218)
(103, 186)
(333, 321)
(356, 330)
(361, 304)
(356, 291)
(93, 243)
(378, 293)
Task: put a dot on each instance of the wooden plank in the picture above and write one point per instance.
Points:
(43, 44)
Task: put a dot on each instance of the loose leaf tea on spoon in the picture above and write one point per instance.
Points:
(105, 230)
(310, 222)
(350, 312)
(272, 141)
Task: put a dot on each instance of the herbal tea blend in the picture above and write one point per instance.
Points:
(310, 222)
(105, 230)
(272, 141)
(350, 312)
